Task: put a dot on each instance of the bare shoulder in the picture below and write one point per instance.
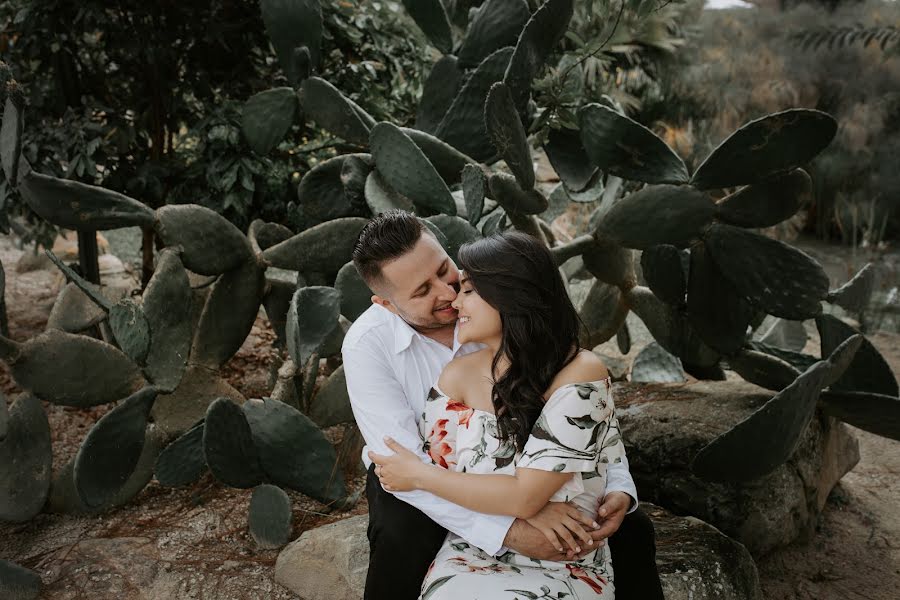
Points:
(586, 366)
(458, 371)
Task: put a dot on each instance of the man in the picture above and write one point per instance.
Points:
(393, 354)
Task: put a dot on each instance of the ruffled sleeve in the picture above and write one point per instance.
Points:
(438, 427)
(577, 431)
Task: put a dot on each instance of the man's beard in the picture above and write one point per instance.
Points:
(423, 324)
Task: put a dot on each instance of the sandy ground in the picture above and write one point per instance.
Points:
(193, 542)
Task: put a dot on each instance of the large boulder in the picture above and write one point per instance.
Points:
(695, 561)
(665, 425)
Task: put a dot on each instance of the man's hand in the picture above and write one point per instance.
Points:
(529, 541)
(611, 512)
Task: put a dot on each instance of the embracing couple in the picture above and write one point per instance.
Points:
(496, 467)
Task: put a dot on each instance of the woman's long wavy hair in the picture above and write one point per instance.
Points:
(517, 275)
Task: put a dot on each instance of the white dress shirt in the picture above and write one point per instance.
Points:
(390, 367)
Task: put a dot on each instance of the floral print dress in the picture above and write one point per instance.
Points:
(577, 432)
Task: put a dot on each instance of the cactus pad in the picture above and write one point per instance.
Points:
(474, 187)
(270, 516)
(654, 365)
(380, 197)
(182, 462)
(457, 231)
(228, 315)
(290, 25)
(661, 266)
(265, 235)
(331, 404)
(431, 18)
(783, 333)
(83, 371)
(25, 460)
(267, 116)
(623, 147)
(131, 329)
(507, 134)
(447, 160)
(496, 24)
(718, 314)
(773, 144)
(777, 278)
(610, 263)
(659, 214)
(110, 452)
(773, 432)
(875, 413)
(294, 452)
(538, 40)
(406, 169)
(623, 338)
(91, 290)
(228, 445)
(333, 112)
(324, 248)
(17, 582)
(354, 172)
(438, 92)
(11, 138)
(167, 307)
(73, 311)
(768, 202)
(602, 313)
(798, 360)
(210, 243)
(356, 297)
(763, 369)
(178, 411)
(312, 316)
(506, 191)
(75, 205)
(868, 372)
(463, 124)
(854, 296)
(569, 159)
(842, 356)
(321, 195)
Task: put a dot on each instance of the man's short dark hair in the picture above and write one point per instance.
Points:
(386, 237)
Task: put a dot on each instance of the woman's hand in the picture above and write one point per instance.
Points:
(562, 522)
(399, 472)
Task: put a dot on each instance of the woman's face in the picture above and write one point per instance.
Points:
(478, 320)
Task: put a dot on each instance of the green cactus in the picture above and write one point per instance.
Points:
(210, 244)
(334, 112)
(508, 135)
(264, 235)
(25, 460)
(405, 168)
(75, 205)
(17, 582)
(73, 311)
(267, 116)
(11, 135)
(292, 24)
(182, 462)
(431, 18)
(768, 202)
(654, 364)
(506, 191)
(569, 159)
(663, 271)
(457, 231)
(854, 296)
(131, 329)
(623, 147)
(447, 160)
(869, 372)
(110, 452)
(875, 413)
(773, 144)
(356, 297)
(331, 404)
(323, 195)
(270, 516)
(293, 451)
(763, 369)
(324, 248)
(380, 197)
(495, 24)
(167, 306)
(438, 92)
(312, 316)
(474, 186)
(228, 445)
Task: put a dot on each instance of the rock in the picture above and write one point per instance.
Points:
(695, 561)
(665, 425)
(327, 563)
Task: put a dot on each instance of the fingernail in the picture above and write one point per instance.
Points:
(590, 542)
(559, 550)
(596, 525)
(577, 549)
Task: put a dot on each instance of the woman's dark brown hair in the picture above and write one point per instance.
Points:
(517, 275)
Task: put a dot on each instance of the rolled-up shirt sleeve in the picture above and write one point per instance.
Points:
(618, 479)
(381, 409)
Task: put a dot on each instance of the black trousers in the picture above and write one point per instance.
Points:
(403, 541)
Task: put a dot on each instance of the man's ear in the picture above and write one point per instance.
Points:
(376, 299)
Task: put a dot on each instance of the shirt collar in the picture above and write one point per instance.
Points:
(404, 334)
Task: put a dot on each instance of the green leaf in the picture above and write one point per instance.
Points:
(290, 25)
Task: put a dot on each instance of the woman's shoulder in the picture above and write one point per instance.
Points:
(584, 368)
(453, 378)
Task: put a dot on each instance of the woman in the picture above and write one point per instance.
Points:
(527, 420)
